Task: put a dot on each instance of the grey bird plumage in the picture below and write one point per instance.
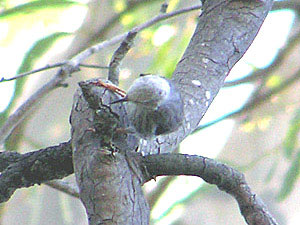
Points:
(154, 106)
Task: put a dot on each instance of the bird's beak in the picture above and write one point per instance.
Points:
(125, 99)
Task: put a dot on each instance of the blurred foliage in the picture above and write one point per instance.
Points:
(119, 5)
(33, 7)
(138, 15)
(290, 177)
(35, 13)
(31, 57)
(292, 153)
(42, 19)
(175, 45)
(291, 140)
(272, 170)
(199, 192)
(39, 49)
(273, 81)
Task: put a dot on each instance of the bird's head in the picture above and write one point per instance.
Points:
(148, 91)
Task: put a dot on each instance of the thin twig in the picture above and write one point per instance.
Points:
(47, 67)
(93, 66)
(64, 186)
(71, 66)
(118, 56)
(52, 66)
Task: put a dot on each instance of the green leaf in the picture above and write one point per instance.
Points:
(290, 178)
(290, 141)
(39, 49)
(36, 52)
(272, 171)
(34, 6)
(160, 58)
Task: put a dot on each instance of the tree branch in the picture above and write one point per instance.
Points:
(213, 172)
(37, 167)
(47, 67)
(25, 170)
(64, 186)
(118, 56)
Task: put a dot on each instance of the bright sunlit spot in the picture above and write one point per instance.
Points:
(119, 5)
(125, 73)
(65, 25)
(191, 145)
(271, 37)
(228, 100)
(163, 34)
(4, 30)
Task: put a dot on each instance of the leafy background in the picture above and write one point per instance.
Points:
(253, 125)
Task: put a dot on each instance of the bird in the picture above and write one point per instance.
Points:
(154, 106)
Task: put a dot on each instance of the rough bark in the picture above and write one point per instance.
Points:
(108, 177)
(226, 179)
(110, 182)
(110, 187)
(25, 170)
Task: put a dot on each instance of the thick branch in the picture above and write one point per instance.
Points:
(109, 182)
(213, 172)
(224, 32)
(34, 168)
(37, 167)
